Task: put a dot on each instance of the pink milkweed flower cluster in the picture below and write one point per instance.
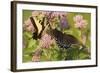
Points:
(37, 13)
(46, 41)
(53, 14)
(61, 18)
(29, 26)
(36, 58)
(80, 22)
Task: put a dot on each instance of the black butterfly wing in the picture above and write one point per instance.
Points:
(70, 39)
(64, 40)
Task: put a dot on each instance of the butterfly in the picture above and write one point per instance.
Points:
(39, 27)
(65, 40)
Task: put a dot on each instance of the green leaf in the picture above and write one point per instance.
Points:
(84, 55)
(27, 34)
(32, 43)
